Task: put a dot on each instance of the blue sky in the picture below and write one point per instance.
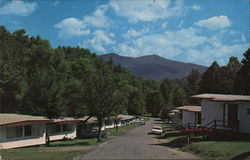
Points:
(195, 31)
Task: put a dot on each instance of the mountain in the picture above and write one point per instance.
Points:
(153, 66)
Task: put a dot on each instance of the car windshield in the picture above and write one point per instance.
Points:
(158, 128)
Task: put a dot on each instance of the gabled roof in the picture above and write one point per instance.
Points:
(190, 108)
(11, 119)
(223, 97)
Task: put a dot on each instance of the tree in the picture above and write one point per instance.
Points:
(228, 75)
(210, 79)
(101, 94)
(154, 103)
(193, 82)
(242, 82)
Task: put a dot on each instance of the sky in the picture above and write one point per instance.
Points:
(191, 31)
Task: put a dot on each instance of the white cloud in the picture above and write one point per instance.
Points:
(19, 8)
(196, 7)
(185, 38)
(71, 27)
(147, 10)
(99, 41)
(220, 53)
(126, 49)
(135, 33)
(98, 18)
(169, 44)
(215, 23)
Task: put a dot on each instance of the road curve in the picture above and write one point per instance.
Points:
(135, 144)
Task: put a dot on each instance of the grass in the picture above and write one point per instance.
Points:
(213, 147)
(54, 152)
(60, 150)
(122, 130)
(219, 149)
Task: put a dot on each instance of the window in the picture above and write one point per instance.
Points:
(66, 127)
(10, 132)
(58, 128)
(19, 131)
(27, 130)
(35, 130)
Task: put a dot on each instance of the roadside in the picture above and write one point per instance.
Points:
(61, 150)
(216, 146)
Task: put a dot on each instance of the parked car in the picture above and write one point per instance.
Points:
(142, 123)
(157, 130)
(93, 133)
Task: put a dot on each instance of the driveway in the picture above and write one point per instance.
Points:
(135, 144)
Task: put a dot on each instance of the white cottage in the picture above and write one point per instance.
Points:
(231, 112)
(22, 130)
(191, 115)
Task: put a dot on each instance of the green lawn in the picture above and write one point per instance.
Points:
(60, 150)
(206, 149)
(122, 130)
(218, 149)
(56, 151)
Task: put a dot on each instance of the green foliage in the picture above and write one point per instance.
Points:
(154, 103)
(242, 82)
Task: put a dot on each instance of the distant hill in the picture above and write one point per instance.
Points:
(154, 67)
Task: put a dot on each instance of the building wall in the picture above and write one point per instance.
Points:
(188, 117)
(244, 117)
(7, 143)
(214, 110)
(176, 120)
(211, 111)
(53, 136)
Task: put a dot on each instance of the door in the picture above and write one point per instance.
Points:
(197, 118)
(231, 115)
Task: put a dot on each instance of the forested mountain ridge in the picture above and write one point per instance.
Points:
(154, 67)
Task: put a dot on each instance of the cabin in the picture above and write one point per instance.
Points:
(190, 116)
(63, 128)
(175, 118)
(227, 112)
(22, 130)
(125, 119)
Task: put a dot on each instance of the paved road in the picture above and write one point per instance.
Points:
(135, 144)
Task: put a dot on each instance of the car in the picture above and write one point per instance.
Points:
(157, 130)
(93, 133)
(142, 123)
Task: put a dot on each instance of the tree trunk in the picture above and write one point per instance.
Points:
(47, 139)
(100, 129)
(116, 123)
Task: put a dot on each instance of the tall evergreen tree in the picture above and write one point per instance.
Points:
(242, 82)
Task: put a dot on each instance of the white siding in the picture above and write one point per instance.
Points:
(6, 143)
(244, 118)
(214, 110)
(63, 135)
(188, 117)
(211, 111)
